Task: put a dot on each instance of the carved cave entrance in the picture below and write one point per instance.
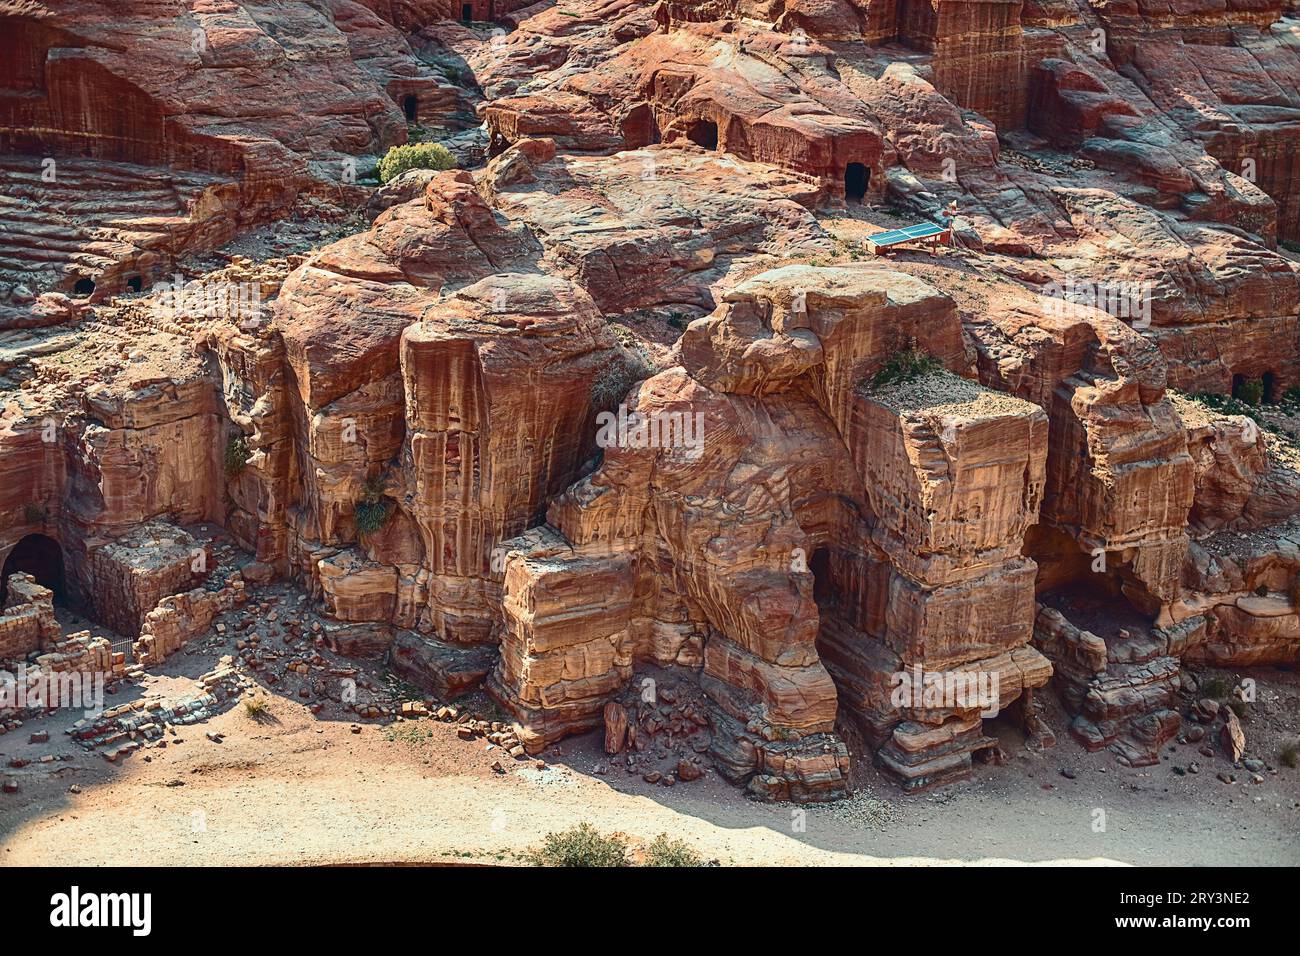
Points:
(1095, 591)
(467, 12)
(1253, 391)
(135, 283)
(703, 133)
(42, 558)
(856, 177)
(823, 584)
(84, 287)
(411, 107)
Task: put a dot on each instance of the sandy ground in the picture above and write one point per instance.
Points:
(296, 788)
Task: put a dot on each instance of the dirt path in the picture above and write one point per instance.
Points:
(301, 790)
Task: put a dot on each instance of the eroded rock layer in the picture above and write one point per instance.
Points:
(623, 420)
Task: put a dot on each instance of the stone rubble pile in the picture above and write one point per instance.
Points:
(148, 722)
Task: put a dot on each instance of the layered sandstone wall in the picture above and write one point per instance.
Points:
(411, 431)
(637, 551)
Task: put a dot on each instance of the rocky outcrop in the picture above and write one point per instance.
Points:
(653, 226)
(708, 532)
(1229, 77)
(245, 107)
(1243, 586)
(1246, 477)
(1123, 690)
(621, 423)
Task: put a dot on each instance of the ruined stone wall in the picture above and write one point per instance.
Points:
(27, 621)
(131, 575)
(180, 617)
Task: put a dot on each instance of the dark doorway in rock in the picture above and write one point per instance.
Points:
(134, 283)
(411, 107)
(1270, 388)
(40, 556)
(1252, 391)
(856, 177)
(84, 287)
(703, 133)
(467, 12)
(823, 586)
(639, 127)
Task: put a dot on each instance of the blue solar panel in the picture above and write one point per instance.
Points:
(921, 230)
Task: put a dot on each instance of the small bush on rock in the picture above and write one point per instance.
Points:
(618, 377)
(372, 510)
(1290, 756)
(414, 156)
(1251, 392)
(1215, 688)
(905, 365)
(237, 455)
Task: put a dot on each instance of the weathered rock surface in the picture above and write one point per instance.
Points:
(746, 497)
(245, 107)
(625, 406)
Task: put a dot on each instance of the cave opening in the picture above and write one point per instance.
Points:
(856, 177)
(823, 585)
(1095, 589)
(1270, 388)
(703, 133)
(40, 556)
(84, 287)
(135, 283)
(411, 107)
(467, 13)
(1253, 391)
(1108, 603)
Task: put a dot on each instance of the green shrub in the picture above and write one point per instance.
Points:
(237, 455)
(1215, 688)
(414, 156)
(371, 516)
(580, 846)
(1251, 392)
(904, 365)
(666, 852)
(372, 511)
